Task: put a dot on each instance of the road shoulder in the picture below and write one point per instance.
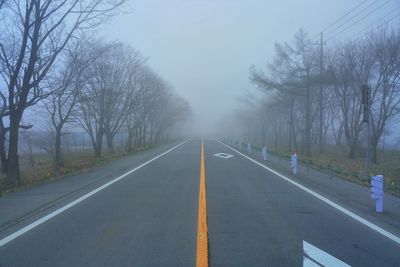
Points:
(21, 207)
(353, 197)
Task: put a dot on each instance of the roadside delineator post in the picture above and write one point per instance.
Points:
(293, 163)
(264, 153)
(249, 148)
(240, 145)
(377, 191)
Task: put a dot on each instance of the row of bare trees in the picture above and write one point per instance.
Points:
(306, 106)
(47, 63)
(106, 88)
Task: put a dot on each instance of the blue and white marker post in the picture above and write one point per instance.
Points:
(377, 191)
(264, 153)
(240, 145)
(293, 163)
(249, 148)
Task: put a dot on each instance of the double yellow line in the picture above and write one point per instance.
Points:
(202, 229)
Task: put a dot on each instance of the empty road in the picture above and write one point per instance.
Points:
(150, 216)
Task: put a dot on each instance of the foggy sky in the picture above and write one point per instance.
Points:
(204, 48)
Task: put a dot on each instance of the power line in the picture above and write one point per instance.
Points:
(353, 17)
(358, 20)
(386, 22)
(380, 24)
(342, 17)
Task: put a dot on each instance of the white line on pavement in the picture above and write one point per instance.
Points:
(312, 254)
(82, 198)
(324, 199)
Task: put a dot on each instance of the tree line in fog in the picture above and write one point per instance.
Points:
(53, 67)
(312, 98)
(105, 88)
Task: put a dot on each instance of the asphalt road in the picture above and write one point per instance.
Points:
(149, 218)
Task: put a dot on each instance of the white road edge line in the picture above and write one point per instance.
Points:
(324, 199)
(38, 222)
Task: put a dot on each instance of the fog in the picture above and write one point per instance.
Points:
(205, 48)
(114, 113)
(132, 74)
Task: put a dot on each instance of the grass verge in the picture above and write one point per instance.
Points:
(334, 161)
(42, 170)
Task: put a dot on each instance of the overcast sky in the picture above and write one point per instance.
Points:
(204, 48)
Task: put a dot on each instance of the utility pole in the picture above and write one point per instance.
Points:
(366, 99)
(320, 93)
(320, 97)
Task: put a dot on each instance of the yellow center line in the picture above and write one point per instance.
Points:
(202, 232)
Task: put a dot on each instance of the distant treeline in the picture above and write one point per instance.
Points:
(313, 97)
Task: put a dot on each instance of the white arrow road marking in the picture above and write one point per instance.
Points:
(313, 256)
(223, 155)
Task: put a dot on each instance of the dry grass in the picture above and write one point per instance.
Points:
(334, 159)
(75, 162)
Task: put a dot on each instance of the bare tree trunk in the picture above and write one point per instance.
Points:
(3, 156)
(110, 145)
(58, 160)
(99, 144)
(129, 143)
(13, 177)
(352, 150)
(340, 134)
(97, 150)
(374, 147)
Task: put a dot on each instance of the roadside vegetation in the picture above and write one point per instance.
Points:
(334, 162)
(42, 170)
(320, 98)
(58, 80)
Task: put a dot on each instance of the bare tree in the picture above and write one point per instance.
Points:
(151, 89)
(292, 71)
(91, 104)
(39, 31)
(121, 69)
(374, 60)
(60, 106)
(109, 93)
(2, 2)
(3, 133)
(167, 113)
(137, 102)
(352, 69)
(153, 109)
(386, 84)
